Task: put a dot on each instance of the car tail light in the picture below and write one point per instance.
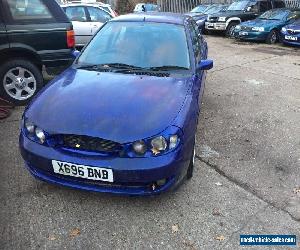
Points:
(70, 39)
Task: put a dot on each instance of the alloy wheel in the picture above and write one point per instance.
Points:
(19, 83)
(273, 38)
(231, 31)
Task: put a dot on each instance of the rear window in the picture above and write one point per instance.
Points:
(76, 13)
(29, 10)
(33, 12)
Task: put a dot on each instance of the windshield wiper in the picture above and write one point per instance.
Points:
(108, 66)
(121, 66)
(167, 67)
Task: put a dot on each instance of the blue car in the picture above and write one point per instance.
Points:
(267, 26)
(122, 119)
(290, 34)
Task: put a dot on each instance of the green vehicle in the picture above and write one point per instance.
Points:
(267, 26)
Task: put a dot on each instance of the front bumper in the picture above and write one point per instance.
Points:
(133, 176)
(286, 38)
(251, 35)
(215, 26)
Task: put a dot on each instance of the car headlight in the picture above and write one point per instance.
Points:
(33, 132)
(222, 19)
(173, 141)
(164, 143)
(283, 29)
(29, 126)
(258, 29)
(139, 147)
(40, 134)
(200, 21)
(238, 27)
(158, 144)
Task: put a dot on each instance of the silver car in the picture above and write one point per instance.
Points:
(86, 20)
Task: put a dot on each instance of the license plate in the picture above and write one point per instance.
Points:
(243, 33)
(292, 38)
(81, 171)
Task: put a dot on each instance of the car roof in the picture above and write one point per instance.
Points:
(158, 17)
(81, 4)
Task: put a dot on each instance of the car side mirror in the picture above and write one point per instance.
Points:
(248, 9)
(205, 64)
(75, 53)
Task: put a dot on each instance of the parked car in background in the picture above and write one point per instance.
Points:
(146, 7)
(267, 26)
(240, 11)
(108, 8)
(290, 34)
(87, 19)
(33, 34)
(124, 116)
(201, 18)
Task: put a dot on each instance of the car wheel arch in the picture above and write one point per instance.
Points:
(233, 20)
(20, 53)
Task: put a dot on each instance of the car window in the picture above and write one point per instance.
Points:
(142, 44)
(279, 4)
(275, 14)
(76, 13)
(265, 5)
(106, 8)
(195, 37)
(98, 15)
(254, 7)
(239, 5)
(29, 10)
(199, 9)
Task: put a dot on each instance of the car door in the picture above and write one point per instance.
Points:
(97, 18)
(3, 34)
(81, 25)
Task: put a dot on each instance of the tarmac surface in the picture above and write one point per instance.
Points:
(246, 179)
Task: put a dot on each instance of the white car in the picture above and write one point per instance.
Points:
(108, 8)
(86, 20)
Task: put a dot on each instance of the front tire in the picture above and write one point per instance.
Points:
(190, 170)
(272, 37)
(20, 80)
(230, 30)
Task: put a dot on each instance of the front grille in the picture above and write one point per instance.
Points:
(88, 143)
(293, 32)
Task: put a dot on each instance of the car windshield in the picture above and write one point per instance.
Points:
(214, 9)
(200, 9)
(239, 5)
(274, 15)
(138, 44)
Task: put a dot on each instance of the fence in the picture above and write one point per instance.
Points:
(186, 5)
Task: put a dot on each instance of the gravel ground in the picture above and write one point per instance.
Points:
(246, 178)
